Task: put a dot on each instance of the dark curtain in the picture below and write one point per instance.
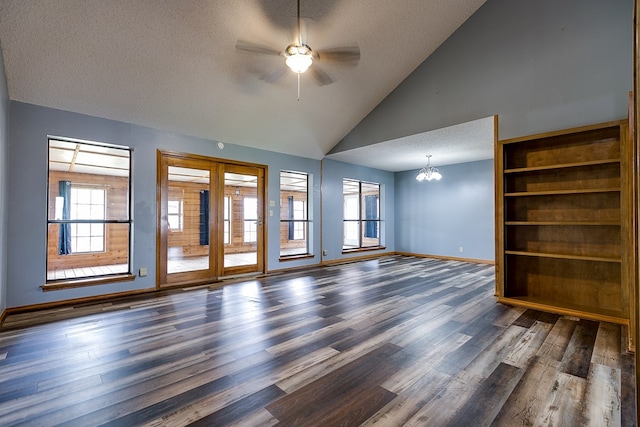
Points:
(64, 239)
(371, 213)
(291, 218)
(204, 217)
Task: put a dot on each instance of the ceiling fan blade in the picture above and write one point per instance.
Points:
(274, 76)
(249, 47)
(346, 54)
(321, 77)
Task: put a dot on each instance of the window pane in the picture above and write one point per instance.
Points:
(81, 244)
(361, 215)
(95, 191)
(351, 234)
(250, 231)
(82, 196)
(97, 244)
(97, 212)
(175, 214)
(371, 208)
(173, 207)
(350, 186)
(294, 213)
(298, 230)
(82, 230)
(174, 222)
(227, 211)
(297, 246)
(299, 212)
(370, 233)
(351, 207)
(113, 260)
(227, 222)
(96, 230)
(250, 205)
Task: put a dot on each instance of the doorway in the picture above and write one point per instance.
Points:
(211, 222)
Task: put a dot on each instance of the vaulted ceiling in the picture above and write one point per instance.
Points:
(173, 65)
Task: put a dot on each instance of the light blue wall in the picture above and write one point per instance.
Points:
(438, 217)
(540, 65)
(333, 172)
(29, 127)
(4, 177)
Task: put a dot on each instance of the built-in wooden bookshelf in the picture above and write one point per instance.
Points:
(564, 235)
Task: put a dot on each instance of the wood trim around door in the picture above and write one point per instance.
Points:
(217, 168)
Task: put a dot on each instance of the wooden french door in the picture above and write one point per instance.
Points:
(241, 224)
(211, 221)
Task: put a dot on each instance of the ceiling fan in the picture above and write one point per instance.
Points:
(299, 57)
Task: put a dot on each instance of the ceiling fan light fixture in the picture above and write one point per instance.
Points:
(299, 58)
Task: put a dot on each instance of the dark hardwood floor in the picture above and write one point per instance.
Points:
(388, 342)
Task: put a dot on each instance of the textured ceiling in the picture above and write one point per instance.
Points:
(173, 65)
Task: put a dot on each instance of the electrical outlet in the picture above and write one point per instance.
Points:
(142, 272)
(461, 249)
(324, 252)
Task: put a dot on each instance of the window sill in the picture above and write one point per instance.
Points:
(81, 283)
(294, 257)
(367, 249)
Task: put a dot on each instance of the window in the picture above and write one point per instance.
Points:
(175, 215)
(298, 216)
(227, 220)
(361, 214)
(87, 203)
(294, 217)
(250, 215)
(89, 220)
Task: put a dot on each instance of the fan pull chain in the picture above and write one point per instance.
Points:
(298, 86)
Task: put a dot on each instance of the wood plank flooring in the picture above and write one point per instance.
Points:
(396, 341)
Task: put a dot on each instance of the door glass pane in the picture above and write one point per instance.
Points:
(188, 220)
(242, 191)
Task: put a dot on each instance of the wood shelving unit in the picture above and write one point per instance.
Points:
(564, 227)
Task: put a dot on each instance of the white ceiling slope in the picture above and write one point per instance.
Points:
(172, 64)
(461, 143)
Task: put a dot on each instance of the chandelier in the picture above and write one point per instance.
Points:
(429, 172)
